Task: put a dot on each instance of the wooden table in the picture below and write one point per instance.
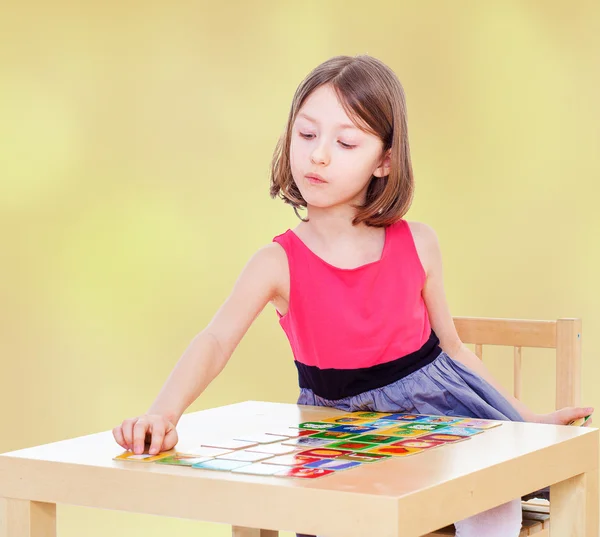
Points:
(405, 497)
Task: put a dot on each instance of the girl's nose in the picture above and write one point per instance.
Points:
(320, 155)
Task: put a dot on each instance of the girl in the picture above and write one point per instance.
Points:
(358, 289)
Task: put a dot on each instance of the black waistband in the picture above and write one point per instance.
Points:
(336, 384)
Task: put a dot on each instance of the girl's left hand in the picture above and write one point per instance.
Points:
(566, 415)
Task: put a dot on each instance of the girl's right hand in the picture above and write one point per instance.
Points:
(154, 429)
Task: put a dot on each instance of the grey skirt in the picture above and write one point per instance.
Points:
(444, 387)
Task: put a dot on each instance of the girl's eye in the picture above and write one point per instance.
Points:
(309, 137)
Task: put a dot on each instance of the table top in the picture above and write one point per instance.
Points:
(503, 462)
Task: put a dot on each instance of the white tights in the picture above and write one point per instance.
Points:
(502, 521)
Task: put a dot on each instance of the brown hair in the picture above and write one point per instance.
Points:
(373, 97)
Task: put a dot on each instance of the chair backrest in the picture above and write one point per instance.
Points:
(564, 335)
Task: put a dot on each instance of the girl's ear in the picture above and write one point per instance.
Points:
(384, 168)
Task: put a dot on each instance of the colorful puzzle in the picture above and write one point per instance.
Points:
(318, 448)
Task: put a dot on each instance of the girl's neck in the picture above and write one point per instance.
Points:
(330, 226)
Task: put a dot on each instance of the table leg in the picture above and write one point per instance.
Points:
(239, 531)
(574, 506)
(24, 518)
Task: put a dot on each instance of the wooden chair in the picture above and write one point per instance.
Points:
(564, 335)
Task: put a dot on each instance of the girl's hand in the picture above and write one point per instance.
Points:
(566, 415)
(154, 429)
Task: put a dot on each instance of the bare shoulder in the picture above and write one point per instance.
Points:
(426, 243)
(258, 284)
(271, 260)
(271, 253)
(423, 232)
(275, 254)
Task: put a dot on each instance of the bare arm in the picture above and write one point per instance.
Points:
(199, 365)
(443, 325)
(441, 319)
(207, 354)
(211, 349)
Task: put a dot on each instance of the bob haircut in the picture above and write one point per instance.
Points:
(373, 98)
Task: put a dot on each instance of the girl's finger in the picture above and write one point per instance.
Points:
(139, 435)
(127, 428)
(170, 439)
(158, 433)
(118, 434)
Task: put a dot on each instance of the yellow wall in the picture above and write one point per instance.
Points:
(134, 147)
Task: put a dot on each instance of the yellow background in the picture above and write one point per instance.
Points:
(135, 140)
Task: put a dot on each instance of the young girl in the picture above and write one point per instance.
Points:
(358, 290)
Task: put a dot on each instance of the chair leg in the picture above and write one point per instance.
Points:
(239, 531)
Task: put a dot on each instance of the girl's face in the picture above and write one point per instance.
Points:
(327, 143)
